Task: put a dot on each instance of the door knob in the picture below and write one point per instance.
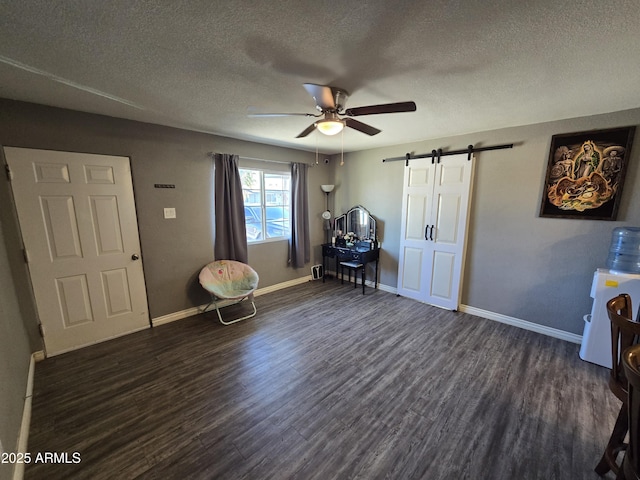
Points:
(135, 256)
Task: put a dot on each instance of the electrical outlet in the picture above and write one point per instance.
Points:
(169, 213)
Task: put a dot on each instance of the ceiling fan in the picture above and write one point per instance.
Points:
(330, 102)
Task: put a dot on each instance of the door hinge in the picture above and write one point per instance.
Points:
(41, 329)
(9, 173)
(25, 254)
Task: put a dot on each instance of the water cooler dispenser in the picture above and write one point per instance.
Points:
(622, 275)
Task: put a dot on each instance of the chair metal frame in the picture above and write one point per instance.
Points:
(217, 299)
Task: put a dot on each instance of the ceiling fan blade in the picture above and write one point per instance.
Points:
(361, 127)
(384, 108)
(307, 130)
(322, 94)
(282, 115)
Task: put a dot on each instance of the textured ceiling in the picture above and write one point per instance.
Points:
(204, 65)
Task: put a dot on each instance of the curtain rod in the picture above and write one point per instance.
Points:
(436, 154)
(242, 157)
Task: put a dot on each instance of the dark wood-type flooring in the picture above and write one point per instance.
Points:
(324, 383)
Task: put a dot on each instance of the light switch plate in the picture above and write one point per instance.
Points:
(169, 213)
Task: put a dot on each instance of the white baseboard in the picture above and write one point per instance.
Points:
(23, 436)
(172, 317)
(189, 312)
(383, 287)
(498, 317)
(280, 286)
(516, 322)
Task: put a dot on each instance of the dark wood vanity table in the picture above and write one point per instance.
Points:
(365, 248)
(352, 253)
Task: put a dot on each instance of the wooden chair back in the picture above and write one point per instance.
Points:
(624, 333)
(631, 364)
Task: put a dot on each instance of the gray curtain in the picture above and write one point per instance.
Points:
(299, 245)
(231, 231)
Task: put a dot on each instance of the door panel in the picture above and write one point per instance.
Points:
(411, 279)
(78, 222)
(443, 274)
(59, 216)
(448, 218)
(419, 176)
(451, 175)
(99, 174)
(417, 206)
(73, 296)
(116, 290)
(51, 173)
(106, 225)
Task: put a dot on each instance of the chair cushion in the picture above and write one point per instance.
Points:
(351, 264)
(228, 279)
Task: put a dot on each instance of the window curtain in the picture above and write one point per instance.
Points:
(299, 244)
(231, 231)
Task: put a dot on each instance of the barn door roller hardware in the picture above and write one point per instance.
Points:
(436, 154)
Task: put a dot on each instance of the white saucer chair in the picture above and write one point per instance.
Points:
(229, 280)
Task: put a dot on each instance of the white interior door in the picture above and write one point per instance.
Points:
(435, 214)
(79, 227)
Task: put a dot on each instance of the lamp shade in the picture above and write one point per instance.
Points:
(330, 127)
(327, 188)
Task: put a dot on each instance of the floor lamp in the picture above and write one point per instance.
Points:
(326, 215)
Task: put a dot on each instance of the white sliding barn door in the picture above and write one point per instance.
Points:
(78, 222)
(435, 209)
(417, 201)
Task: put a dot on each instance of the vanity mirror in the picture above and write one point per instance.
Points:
(357, 220)
(355, 245)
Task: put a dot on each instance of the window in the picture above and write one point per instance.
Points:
(266, 204)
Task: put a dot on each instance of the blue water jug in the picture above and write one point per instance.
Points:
(624, 252)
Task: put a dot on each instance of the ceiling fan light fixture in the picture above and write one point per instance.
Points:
(330, 127)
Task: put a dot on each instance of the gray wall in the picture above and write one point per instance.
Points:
(15, 308)
(518, 264)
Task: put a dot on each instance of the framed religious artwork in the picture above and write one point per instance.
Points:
(585, 174)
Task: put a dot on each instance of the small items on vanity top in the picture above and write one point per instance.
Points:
(358, 245)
